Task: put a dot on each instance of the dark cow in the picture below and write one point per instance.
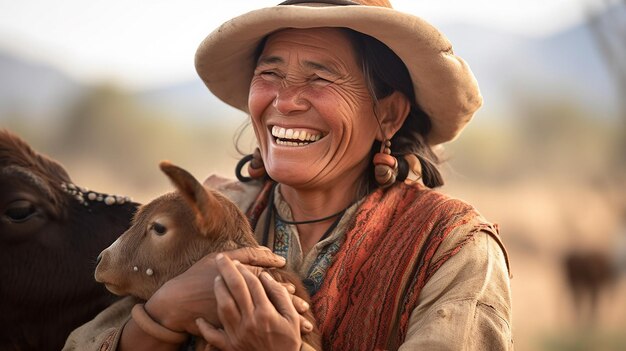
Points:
(51, 233)
(588, 275)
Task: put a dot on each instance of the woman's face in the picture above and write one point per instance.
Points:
(311, 110)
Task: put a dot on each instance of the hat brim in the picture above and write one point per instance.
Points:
(445, 87)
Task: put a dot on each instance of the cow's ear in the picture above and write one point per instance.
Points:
(204, 204)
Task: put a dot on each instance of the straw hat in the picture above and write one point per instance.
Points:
(445, 87)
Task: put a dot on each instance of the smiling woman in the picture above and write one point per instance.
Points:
(348, 100)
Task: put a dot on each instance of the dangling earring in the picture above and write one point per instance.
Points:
(256, 169)
(385, 165)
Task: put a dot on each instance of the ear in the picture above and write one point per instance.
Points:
(392, 111)
(204, 204)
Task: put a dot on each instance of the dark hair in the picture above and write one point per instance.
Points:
(385, 73)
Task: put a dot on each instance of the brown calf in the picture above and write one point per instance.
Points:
(174, 231)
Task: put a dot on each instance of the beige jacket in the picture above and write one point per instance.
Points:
(466, 305)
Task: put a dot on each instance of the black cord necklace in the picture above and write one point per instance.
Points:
(340, 213)
(273, 211)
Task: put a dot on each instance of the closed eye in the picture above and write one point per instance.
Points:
(269, 74)
(317, 78)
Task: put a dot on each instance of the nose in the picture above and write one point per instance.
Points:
(99, 259)
(289, 100)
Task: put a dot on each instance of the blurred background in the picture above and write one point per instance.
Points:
(108, 89)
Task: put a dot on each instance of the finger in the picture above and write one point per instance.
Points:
(256, 270)
(256, 256)
(300, 304)
(236, 284)
(305, 325)
(213, 336)
(227, 310)
(290, 287)
(257, 292)
(279, 297)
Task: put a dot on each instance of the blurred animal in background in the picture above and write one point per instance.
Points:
(51, 232)
(589, 276)
(174, 231)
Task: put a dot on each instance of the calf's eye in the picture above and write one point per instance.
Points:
(20, 211)
(158, 228)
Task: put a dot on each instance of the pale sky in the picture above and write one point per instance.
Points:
(142, 43)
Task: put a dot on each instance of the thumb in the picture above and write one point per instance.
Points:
(213, 336)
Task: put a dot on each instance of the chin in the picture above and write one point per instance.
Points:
(289, 175)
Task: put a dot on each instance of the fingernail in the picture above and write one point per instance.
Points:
(305, 305)
(280, 258)
(307, 325)
(219, 256)
(291, 288)
(218, 278)
(236, 262)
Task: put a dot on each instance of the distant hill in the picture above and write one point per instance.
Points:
(565, 64)
(33, 89)
(190, 99)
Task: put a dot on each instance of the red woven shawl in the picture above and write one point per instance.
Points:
(376, 277)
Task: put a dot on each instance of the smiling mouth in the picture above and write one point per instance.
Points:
(294, 137)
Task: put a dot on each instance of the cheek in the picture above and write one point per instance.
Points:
(346, 109)
(260, 98)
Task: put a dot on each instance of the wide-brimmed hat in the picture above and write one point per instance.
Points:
(444, 85)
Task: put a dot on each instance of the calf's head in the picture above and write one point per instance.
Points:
(171, 233)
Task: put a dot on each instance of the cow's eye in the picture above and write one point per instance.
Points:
(158, 228)
(20, 211)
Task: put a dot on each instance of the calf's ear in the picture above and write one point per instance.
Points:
(204, 204)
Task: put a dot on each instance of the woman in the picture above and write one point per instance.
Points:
(347, 100)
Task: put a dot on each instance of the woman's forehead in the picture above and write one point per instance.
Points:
(322, 43)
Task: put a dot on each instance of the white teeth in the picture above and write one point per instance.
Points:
(282, 133)
(290, 143)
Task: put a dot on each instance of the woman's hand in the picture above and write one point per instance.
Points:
(180, 301)
(256, 313)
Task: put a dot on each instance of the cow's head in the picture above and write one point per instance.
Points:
(51, 232)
